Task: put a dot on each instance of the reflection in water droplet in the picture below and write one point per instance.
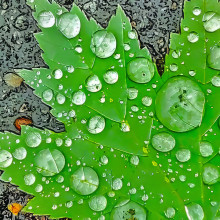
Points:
(197, 11)
(132, 93)
(210, 174)
(211, 21)
(147, 101)
(98, 203)
(46, 19)
(128, 210)
(33, 139)
(140, 70)
(170, 212)
(134, 160)
(205, 149)
(60, 98)
(111, 77)
(194, 212)
(163, 142)
(183, 155)
(214, 58)
(216, 81)
(93, 84)
(5, 158)
(79, 98)
(173, 67)
(69, 25)
(179, 104)
(29, 179)
(193, 37)
(49, 162)
(58, 74)
(39, 188)
(96, 124)
(47, 95)
(103, 44)
(84, 181)
(192, 73)
(20, 153)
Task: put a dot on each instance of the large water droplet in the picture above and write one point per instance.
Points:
(193, 37)
(5, 158)
(140, 70)
(93, 84)
(79, 98)
(163, 142)
(20, 153)
(216, 81)
(96, 124)
(180, 103)
(29, 179)
(170, 212)
(132, 93)
(210, 174)
(211, 21)
(206, 149)
(194, 212)
(117, 184)
(111, 77)
(49, 162)
(85, 181)
(33, 139)
(183, 155)
(69, 25)
(147, 101)
(103, 44)
(128, 210)
(214, 58)
(98, 203)
(47, 95)
(46, 19)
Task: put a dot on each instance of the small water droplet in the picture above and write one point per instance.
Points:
(29, 179)
(78, 49)
(193, 37)
(79, 98)
(70, 69)
(60, 179)
(192, 73)
(147, 101)
(84, 181)
(47, 95)
(134, 160)
(69, 204)
(60, 99)
(93, 84)
(39, 188)
(104, 160)
(173, 67)
(134, 108)
(216, 81)
(125, 127)
(20, 153)
(132, 93)
(176, 54)
(98, 203)
(170, 212)
(132, 34)
(96, 124)
(183, 155)
(117, 184)
(103, 44)
(127, 47)
(140, 70)
(33, 139)
(214, 58)
(182, 178)
(206, 149)
(5, 158)
(46, 19)
(111, 77)
(210, 174)
(69, 25)
(197, 11)
(163, 142)
(58, 74)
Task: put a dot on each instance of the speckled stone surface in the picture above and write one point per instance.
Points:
(153, 19)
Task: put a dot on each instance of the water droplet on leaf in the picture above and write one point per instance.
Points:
(84, 181)
(96, 124)
(79, 98)
(140, 70)
(170, 212)
(194, 212)
(29, 179)
(103, 44)
(93, 84)
(60, 98)
(39, 188)
(47, 95)
(206, 149)
(132, 93)
(216, 81)
(134, 160)
(20, 153)
(147, 101)
(211, 21)
(183, 155)
(33, 139)
(98, 203)
(111, 77)
(210, 174)
(69, 25)
(46, 19)
(214, 58)
(197, 11)
(5, 158)
(117, 184)
(193, 37)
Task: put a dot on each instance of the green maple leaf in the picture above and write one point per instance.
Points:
(136, 146)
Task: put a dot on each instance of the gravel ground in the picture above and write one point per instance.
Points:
(153, 19)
